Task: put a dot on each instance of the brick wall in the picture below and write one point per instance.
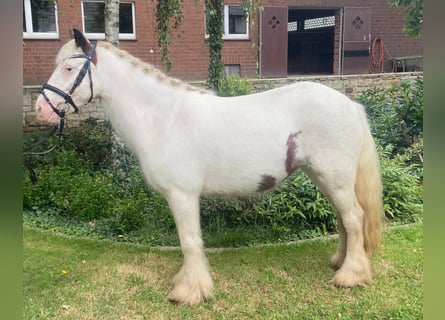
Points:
(189, 51)
(351, 85)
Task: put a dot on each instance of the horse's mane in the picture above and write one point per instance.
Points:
(70, 47)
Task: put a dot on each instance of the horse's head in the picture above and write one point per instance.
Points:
(73, 82)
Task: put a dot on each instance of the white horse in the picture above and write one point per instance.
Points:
(191, 142)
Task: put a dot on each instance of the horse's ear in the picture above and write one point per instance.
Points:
(81, 41)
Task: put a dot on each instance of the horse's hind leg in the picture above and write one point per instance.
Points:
(193, 283)
(350, 259)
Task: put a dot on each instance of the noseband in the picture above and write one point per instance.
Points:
(67, 95)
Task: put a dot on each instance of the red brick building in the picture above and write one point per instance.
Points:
(288, 37)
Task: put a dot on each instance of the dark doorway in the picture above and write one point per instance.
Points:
(311, 41)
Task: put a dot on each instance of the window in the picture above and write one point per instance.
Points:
(94, 21)
(40, 19)
(317, 23)
(235, 23)
(292, 26)
(232, 69)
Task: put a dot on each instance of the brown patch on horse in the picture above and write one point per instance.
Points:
(267, 182)
(292, 162)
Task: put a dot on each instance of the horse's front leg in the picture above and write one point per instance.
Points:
(193, 282)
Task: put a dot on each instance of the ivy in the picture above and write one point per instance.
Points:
(251, 9)
(168, 15)
(414, 15)
(214, 27)
(215, 42)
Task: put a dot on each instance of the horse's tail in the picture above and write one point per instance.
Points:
(368, 188)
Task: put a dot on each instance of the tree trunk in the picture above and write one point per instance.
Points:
(120, 153)
(112, 22)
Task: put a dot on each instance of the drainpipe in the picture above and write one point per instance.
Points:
(340, 45)
(260, 46)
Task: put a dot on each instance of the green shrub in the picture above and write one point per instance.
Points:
(230, 212)
(297, 205)
(130, 214)
(141, 210)
(91, 141)
(54, 178)
(396, 113)
(233, 85)
(402, 187)
(90, 197)
(71, 186)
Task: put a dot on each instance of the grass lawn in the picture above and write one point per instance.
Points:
(77, 278)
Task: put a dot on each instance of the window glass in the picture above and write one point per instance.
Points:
(232, 69)
(24, 20)
(126, 18)
(237, 20)
(234, 24)
(94, 20)
(93, 17)
(39, 19)
(318, 23)
(43, 15)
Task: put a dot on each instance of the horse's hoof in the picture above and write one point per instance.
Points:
(182, 295)
(190, 292)
(345, 278)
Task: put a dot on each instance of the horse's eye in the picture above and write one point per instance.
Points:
(69, 69)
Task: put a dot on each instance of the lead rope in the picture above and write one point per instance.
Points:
(28, 150)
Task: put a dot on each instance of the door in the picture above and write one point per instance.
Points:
(356, 40)
(273, 42)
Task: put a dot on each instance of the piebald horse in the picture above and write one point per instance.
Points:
(190, 142)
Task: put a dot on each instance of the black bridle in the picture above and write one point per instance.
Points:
(67, 95)
(86, 68)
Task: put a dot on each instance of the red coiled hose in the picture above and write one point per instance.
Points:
(376, 63)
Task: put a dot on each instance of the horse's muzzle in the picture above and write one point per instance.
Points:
(44, 112)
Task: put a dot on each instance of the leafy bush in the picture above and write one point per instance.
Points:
(402, 187)
(233, 85)
(396, 113)
(70, 185)
(297, 205)
(91, 141)
(230, 212)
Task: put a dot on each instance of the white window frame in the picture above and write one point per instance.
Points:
(226, 34)
(28, 20)
(233, 36)
(101, 36)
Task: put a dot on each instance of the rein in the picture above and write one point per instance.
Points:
(28, 150)
(86, 68)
